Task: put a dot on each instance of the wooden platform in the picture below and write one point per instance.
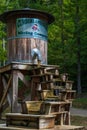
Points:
(29, 120)
(64, 127)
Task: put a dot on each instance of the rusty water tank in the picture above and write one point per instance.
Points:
(26, 30)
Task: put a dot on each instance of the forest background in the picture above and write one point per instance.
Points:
(67, 35)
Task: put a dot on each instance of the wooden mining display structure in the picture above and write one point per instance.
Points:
(48, 94)
(26, 44)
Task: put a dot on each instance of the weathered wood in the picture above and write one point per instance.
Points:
(53, 70)
(5, 106)
(6, 91)
(36, 82)
(22, 77)
(57, 127)
(48, 95)
(34, 107)
(20, 66)
(68, 95)
(69, 84)
(1, 87)
(38, 70)
(19, 49)
(15, 92)
(60, 109)
(62, 118)
(41, 121)
(70, 127)
(4, 79)
(20, 46)
(60, 106)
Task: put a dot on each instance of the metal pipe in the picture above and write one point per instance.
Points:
(36, 54)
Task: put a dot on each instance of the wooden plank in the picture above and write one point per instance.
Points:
(69, 127)
(57, 127)
(5, 68)
(21, 66)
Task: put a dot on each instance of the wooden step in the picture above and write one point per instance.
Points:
(64, 127)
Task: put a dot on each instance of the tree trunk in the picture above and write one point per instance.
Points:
(78, 41)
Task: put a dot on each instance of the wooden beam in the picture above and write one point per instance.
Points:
(4, 79)
(27, 83)
(1, 87)
(22, 77)
(4, 106)
(14, 107)
(6, 91)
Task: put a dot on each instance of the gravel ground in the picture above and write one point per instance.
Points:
(78, 112)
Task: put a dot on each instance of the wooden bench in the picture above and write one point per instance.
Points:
(40, 121)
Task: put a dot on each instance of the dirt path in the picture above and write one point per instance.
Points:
(78, 112)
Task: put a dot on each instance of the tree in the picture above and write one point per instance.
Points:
(67, 36)
(78, 41)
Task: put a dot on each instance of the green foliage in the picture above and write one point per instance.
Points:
(80, 103)
(62, 46)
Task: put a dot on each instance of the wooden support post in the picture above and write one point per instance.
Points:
(1, 92)
(14, 107)
(1, 87)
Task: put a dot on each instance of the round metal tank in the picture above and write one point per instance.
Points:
(27, 35)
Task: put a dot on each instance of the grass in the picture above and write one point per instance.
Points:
(81, 101)
(79, 121)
